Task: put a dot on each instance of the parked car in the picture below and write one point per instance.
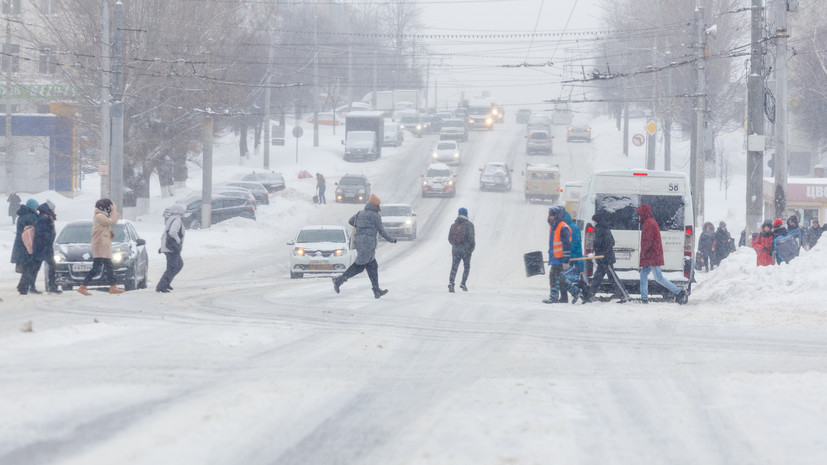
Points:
(234, 192)
(495, 176)
(73, 256)
(446, 151)
(273, 181)
(538, 142)
(581, 132)
(438, 180)
(261, 194)
(523, 115)
(399, 220)
(320, 250)
(393, 134)
(328, 118)
(353, 188)
(454, 129)
(223, 208)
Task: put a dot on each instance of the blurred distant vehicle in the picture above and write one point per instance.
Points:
(235, 192)
(495, 176)
(562, 114)
(394, 135)
(399, 220)
(320, 250)
(581, 132)
(353, 188)
(542, 182)
(523, 116)
(446, 151)
(73, 256)
(272, 181)
(571, 197)
(261, 194)
(454, 129)
(414, 123)
(327, 118)
(480, 118)
(223, 208)
(497, 113)
(538, 141)
(438, 180)
(362, 145)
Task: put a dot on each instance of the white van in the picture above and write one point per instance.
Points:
(616, 195)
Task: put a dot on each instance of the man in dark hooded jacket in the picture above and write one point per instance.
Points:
(26, 216)
(604, 244)
(462, 246)
(44, 239)
(368, 224)
(651, 257)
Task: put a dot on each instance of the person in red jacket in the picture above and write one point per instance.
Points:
(651, 257)
(763, 245)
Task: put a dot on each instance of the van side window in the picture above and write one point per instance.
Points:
(667, 210)
(620, 210)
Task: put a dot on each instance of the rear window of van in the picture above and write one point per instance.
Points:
(620, 210)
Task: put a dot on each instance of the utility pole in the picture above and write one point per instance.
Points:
(267, 91)
(206, 152)
(781, 149)
(9, 59)
(755, 122)
(316, 76)
(700, 106)
(116, 166)
(651, 139)
(106, 121)
(667, 120)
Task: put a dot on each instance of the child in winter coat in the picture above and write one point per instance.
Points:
(763, 245)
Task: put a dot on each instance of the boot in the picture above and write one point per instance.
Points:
(379, 292)
(451, 288)
(463, 287)
(53, 290)
(82, 290)
(337, 282)
(113, 289)
(33, 290)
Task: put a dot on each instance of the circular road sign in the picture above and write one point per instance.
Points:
(638, 139)
(297, 132)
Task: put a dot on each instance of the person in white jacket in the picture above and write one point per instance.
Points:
(172, 242)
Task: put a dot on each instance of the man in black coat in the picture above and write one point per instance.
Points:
(604, 244)
(44, 239)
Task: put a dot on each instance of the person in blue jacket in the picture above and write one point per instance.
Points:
(559, 253)
(577, 266)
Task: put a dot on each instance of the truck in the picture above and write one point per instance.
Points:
(390, 101)
(361, 145)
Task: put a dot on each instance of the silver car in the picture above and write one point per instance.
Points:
(538, 141)
(399, 220)
(446, 151)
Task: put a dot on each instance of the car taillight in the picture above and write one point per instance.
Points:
(549, 139)
(641, 174)
(529, 139)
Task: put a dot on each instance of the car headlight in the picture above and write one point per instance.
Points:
(450, 183)
(118, 256)
(298, 252)
(339, 252)
(408, 222)
(435, 155)
(419, 126)
(424, 183)
(59, 257)
(488, 120)
(456, 154)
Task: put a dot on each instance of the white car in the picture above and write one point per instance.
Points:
(399, 220)
(446, 151)
(439, 180)
(321, 250)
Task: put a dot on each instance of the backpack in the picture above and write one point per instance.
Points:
(28, 238)
(459, 234)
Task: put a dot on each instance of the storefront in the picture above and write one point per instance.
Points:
(806, 199)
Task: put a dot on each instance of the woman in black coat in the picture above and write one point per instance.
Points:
(44, 239)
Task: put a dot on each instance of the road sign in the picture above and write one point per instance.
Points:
(638, 139)
(651, 127)
(298, 131)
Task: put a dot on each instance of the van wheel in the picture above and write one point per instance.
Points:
(296, 275)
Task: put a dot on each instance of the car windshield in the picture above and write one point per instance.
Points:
(446, 146)
(479, 111)
(438, 173)
(396, 210)
(320, 235)
(352, 181)
(494, 169)
(539, 135)
(452, 123)
(410, 119)
(82, 234)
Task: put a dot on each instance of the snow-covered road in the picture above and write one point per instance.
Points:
(242, 365)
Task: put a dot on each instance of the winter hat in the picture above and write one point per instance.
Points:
(50, 204)
(374, 200)
(32, 203)
(777, 223)
(103, 204)
(722, 225)
(767, 223)
(463, 212)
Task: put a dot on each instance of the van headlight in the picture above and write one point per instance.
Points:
(339, 252)
(298, 252)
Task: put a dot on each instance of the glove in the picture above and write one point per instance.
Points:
(767, 249)
(566, 265)
(395, 240)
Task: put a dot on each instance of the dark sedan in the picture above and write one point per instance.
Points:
(73, 256)
(273, 181)
(223, 208)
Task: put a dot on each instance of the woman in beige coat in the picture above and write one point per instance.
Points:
(106, 215)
